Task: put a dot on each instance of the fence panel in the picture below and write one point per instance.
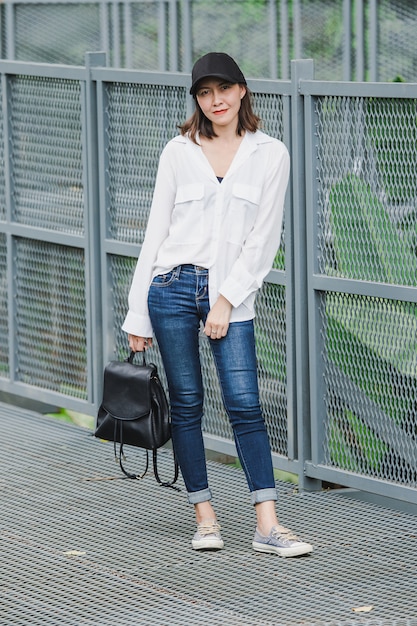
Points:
(363, 278)
(45, 333)
(4, 282)
(396, 54)
(349, 40)
(80, 148)
(333, 46)
(140, 113)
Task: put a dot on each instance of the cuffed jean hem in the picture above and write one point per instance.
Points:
(263, 495)
(195, 497)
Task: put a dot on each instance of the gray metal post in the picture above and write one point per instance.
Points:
(116, 59)
(298, 34)
(347, 40)
(104, 28)
(93, 275)
(360, 41)
(316, 347)
(7, 145)
(173, 32)
(284, 45)
(273, 40)
(9, 199)
(128, 43)
(373, 41)
(10, 32)
(299, 70)
(187, 35)
(162, 37)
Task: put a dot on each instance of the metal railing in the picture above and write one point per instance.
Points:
(337, 317)
(349, 39)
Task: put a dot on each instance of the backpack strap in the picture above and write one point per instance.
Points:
(121, 456)
(155, 469)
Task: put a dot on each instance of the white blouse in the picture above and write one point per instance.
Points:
(233, 228)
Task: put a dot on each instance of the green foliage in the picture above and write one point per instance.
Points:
(367, 244)
(72, 417)
(372, 340)
(392, 128)
(354, 445)
(282, 475)
(279, 261)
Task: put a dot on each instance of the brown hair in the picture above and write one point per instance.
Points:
(198, 122)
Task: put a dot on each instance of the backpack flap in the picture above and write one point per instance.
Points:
(126, 415)
(126, 390)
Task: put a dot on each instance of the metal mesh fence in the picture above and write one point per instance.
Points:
(4, 325)
(270, 108)
(43, 148)
(322, 32)
(51, 317)
(370, 347)
(365, 185)
(47, 162)
(141, 119)
(366, 151)
(397, 54)
(262, 34)
(56, 33)
(223, 26)
(143, 19)
(2, 169)
(367, 190)
(271, 342)
(120, 276)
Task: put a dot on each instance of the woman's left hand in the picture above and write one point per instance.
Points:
(139, 344)
(218, 319)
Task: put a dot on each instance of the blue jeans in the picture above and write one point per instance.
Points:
(178, 304)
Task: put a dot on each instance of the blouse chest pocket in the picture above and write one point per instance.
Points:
(243, 211)
(187, 217)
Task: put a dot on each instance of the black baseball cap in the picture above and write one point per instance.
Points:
(216, 65)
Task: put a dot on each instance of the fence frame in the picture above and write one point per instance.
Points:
(12, 229)
(302, 281)
(318, 283)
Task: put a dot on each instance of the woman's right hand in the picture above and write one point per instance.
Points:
(139, 344)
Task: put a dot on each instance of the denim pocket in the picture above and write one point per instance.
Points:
(164, 280)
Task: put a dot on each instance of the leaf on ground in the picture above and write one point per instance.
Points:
(362, 609)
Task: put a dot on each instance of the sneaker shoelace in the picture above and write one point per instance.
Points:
(208, 528)
(283, 533)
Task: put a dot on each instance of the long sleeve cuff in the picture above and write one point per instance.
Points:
(237, 290)
(136, 324)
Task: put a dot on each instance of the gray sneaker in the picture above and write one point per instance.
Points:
(207, 536)
(281, 541)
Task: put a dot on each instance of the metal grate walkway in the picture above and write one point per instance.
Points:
(81, 546)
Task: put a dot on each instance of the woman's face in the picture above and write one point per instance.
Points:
(220, 101)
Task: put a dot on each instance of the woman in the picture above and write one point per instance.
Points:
(212, 235)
